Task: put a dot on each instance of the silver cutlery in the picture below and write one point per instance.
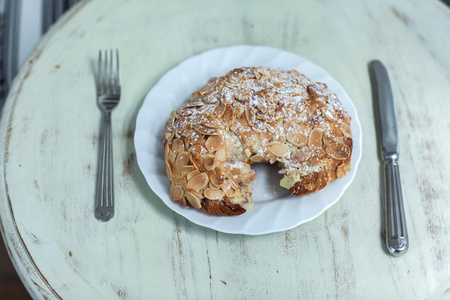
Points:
(396, 232)
(108, 96)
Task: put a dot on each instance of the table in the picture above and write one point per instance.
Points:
(50, 133)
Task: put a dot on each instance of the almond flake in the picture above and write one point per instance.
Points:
(213, 194)
(198, 182)
(217, 179)
(214, 143)
(315, 139)
(195, 201)
(169, 171)
(182, 160)
(278, 149)
(192, 174)
(297, 139)
(248, 178)
(209, 162)
(177, 146)
(338, 151)
(177, 193)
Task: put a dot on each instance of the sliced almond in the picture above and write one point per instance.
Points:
(256, 158)
(297, 139)
(223, 169)
(198, 182)
(328, 139)
(319, 153)
(195, 201)
(236, 172)
(247, 153)
(342, 169)
(229, 192)
(168, 133)
(272, 159)
(207, 130)
(235, 126)
(213, 186)
(304, 126)
(248, 178)
(166, 151)
(217, 179)
(315, 139)
(209, 162)
(194, 104)
(181, 160)
(172, 157)
(177, 193)
(262, 108)
(249, 115)
(261, 70)
(228, 115)
(295, 73)
(209, 86)
(301, 156)
(195, 138)
(234, 182)
(187, 169)
(338, 151)
(278, 84)
(192, 174)
(197, 162)
(210, 173)
(196, 150)
(211, 99)
(236, 193)
(169, 171)
(246, 192)
(346, 130)
(226, 187)
(278, 149)
(178, 146)
(213, 194)
(221, 154)
(214, 142)
(212, 123)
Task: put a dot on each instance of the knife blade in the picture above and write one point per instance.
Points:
(397, 241)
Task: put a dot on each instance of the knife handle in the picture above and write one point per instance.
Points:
(396, 231)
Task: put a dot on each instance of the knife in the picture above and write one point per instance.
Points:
(396, 232)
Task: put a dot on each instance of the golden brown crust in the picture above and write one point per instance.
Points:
(254, 115)
(222, 207)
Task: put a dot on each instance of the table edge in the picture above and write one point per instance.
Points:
(29, 273)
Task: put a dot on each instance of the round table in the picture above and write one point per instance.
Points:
(50, 128)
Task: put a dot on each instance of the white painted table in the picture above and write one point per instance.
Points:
(49, 147)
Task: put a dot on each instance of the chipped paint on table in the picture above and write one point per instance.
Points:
(50, 138)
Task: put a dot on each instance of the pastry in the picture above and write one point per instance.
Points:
(254, 115)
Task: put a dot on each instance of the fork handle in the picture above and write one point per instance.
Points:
(396, 232)
(104, 209)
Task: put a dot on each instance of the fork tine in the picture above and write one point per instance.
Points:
(111, 72)
(105, 75)
(118, 83)
(99, 74)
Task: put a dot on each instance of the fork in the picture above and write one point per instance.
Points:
(108, 96)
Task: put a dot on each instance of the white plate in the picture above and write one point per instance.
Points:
(274, 208)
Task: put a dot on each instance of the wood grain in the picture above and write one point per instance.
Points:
(50, 132)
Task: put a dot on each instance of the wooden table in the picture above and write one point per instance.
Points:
(49, 146)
